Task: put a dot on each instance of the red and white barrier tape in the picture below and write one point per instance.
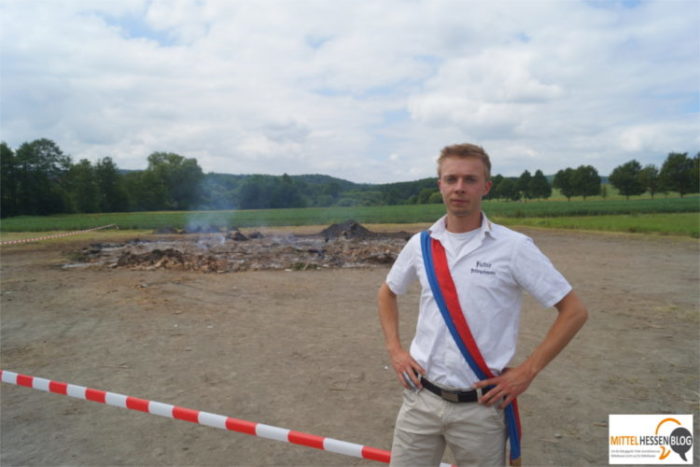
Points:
(199, 417)
(36, 239)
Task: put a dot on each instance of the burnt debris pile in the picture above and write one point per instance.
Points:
(348, 230)
(170, 258)
(344, 245)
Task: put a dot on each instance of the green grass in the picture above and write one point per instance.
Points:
(541, 213)
(560, 208)
(685, 224)
(613, 193)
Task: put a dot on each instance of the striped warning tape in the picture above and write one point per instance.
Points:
(199, 417)
(36, 239)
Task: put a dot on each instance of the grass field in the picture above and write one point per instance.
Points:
(662, 215)
(685, 224)
(612, 194)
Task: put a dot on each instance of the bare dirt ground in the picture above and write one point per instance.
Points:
(303, 350)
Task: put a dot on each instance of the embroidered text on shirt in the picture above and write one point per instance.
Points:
(481, 268)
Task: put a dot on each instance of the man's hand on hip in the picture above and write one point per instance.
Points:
(506, 387)
(403, 363)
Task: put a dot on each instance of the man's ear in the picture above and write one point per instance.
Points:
(487, 188)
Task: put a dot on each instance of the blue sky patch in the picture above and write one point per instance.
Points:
(134, 27)
(396, 116)
(316, 42)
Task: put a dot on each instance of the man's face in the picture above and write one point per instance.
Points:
(462, 184)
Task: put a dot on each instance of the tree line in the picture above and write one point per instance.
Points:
(678, 173)
(39, 179)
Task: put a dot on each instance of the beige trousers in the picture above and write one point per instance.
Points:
(475, 433)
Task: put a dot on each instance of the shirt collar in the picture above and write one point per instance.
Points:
(438, 229)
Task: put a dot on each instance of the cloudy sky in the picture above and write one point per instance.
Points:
(365, 90)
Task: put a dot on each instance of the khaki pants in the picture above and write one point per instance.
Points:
(476, 434)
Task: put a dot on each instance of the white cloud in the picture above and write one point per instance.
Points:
(368, 91)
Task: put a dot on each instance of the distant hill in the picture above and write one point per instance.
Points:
(308, 179)
(260, 191)
(345, 185)
(318, 179)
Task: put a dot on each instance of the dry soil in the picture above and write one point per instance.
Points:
(303, 350)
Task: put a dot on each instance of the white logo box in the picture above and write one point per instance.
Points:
(651, 439)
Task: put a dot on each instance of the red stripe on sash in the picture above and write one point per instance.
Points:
(449, 293)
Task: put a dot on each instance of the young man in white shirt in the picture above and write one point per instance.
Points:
(490, 266)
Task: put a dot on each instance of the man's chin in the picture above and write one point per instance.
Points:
(461, 212)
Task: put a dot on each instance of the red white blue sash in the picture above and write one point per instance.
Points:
(445, 294)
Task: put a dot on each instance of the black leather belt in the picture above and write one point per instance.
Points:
(454, 396)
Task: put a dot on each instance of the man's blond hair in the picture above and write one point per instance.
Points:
(465, 150)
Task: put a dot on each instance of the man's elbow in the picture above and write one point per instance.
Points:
(581, 314)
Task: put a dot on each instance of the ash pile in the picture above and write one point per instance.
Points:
(344, 245)
(348, 230)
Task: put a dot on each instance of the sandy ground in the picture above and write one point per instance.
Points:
(303, 350)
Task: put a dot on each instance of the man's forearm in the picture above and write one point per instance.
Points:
(389, 318)
(404, 365)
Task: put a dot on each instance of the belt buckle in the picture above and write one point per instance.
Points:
(450, 396)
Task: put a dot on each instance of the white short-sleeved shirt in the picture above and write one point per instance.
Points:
(490, 267)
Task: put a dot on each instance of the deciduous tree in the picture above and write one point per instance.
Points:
(523, 184)
(627, 179)
(424, 195)
(508, 189)
(539, 186)
(649, 178)
(41, 171)
(563, 180)
(495, 181)
(82, 187)
(177, 177)
(8, 181)
(677, 174)
(112, 194)
(586, 181)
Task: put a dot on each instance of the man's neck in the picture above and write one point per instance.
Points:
(462, 224)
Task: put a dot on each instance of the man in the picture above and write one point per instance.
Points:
(490, 266)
